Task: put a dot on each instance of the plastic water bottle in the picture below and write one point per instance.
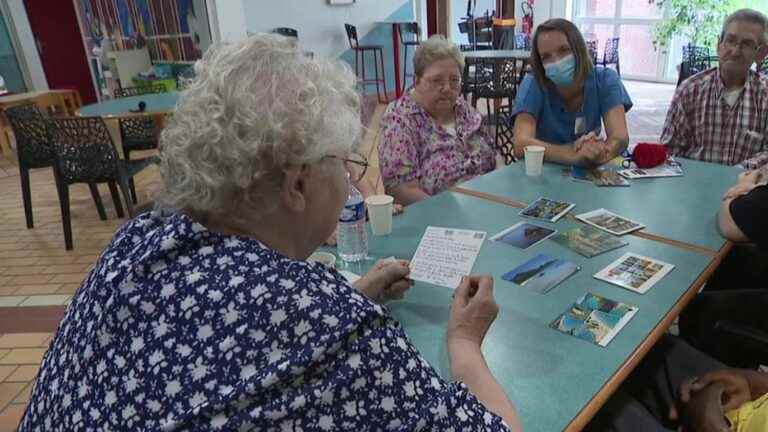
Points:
(351, 236)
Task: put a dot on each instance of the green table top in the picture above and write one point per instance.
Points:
(678, 208)
(549, 376)
(156, 103)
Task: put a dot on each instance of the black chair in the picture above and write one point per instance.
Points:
(137, 132)
(611, 55)
(695, 59)
(287, 32)
(84, 153)
(495, 79)
(592, 50)
(378, 61)
(410, 36)
(34, 150)
(479, 33)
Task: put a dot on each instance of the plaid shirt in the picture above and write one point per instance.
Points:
(701, 125)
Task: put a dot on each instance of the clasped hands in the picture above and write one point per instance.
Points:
(591, 150)
(703, 401)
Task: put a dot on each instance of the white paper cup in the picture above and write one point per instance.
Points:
(325, 258)
(534, 159)
(380, 213)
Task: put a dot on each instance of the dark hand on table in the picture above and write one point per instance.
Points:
(704, 410)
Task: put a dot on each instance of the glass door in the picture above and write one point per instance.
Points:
(632, 21)
(10, 71)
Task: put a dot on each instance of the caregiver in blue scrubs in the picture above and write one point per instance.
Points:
(564, 103)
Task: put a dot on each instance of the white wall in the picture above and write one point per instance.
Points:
(320, 26)
(29, 54)
(231, 18)
(546, 9)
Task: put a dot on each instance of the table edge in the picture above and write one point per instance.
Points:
(601, 397)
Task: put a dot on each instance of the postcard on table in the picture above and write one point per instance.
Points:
(523, 235)
(611, 222)
(594, 318)
(582, 174)
(445, 255)
(541, 273)
(666, 170)
(635, 272)
(588, 241)
(609, 178)
(547, 209)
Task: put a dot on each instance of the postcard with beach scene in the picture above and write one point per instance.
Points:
(635, 272)
(611, 222)
(588, 241)
(541, 273)
(594, 318)
(547, 209)
(523, 235)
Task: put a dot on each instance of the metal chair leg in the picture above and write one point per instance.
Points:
(116, 199)
(66, 221)
(97, 200)
(122, 182)
(26, 196)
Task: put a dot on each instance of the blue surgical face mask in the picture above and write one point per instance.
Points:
(562, 71)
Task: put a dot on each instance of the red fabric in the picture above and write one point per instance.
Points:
(649, 155)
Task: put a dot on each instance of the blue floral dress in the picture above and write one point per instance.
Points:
(180, 328)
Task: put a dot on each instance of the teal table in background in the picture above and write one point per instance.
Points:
(157, 103)
(681, 209)
(556, 381)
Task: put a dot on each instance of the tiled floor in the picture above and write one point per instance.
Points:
(38, 277)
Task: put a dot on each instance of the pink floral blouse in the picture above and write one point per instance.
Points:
(415, 147)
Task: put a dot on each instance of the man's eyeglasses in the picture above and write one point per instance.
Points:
(747, 45)
(438, 83)
(356, 165)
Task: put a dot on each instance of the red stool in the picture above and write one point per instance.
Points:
(378, 56)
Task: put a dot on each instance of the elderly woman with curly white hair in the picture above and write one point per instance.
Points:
(205, 315)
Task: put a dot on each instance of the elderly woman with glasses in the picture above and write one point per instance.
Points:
(204, 315)
(563, 104)
(431, 138)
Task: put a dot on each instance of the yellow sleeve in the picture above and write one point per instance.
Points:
(750, 417)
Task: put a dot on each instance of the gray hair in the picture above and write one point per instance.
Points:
(750, 16)
(434, 49)
(254, 108)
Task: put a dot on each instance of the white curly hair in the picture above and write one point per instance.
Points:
(254, 108)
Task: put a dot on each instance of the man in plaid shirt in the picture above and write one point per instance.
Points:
(721, 115)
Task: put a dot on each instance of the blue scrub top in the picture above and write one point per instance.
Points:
(603, 90)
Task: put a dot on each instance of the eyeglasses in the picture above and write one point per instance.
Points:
(747, 45)
(438, 83)
(356, 165)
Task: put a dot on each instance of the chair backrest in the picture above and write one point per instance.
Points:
(611, 51)
(409, 32)
(592, 49)
(351, 35)
(84, 150)
(33, 141)
(138, 91)
(287, 32)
